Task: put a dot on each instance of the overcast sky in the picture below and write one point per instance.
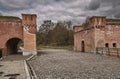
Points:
(73, 10)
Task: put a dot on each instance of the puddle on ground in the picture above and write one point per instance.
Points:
(1, 65)
(1, 73)
(12, 76)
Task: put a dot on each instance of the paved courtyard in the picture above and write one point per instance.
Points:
(12, 67)
(63, 64)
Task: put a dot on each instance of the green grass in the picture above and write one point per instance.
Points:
(113, 20)
(9, 17)
(54, 47)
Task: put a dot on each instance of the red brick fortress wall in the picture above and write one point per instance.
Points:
(9, 29)
(29, 33)
(86, 36)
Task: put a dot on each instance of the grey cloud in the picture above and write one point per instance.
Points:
(109, 8)
(94, 5)
(7, 5)
(46, 9)
(117, 15)
(114, 11)
(74, 10)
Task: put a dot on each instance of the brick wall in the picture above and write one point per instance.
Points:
(29, 33)
(87, 36)
(112, 35)
(16, 30)
(9, 30)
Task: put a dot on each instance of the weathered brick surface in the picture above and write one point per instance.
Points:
(29, 42)
(9, 30)
(98, 34)
(14, 28)
(77, 28)
(88, 39)
(112, 35)
(29, 21)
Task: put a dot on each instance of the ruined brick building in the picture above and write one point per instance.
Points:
(13, 30)
(101, 32)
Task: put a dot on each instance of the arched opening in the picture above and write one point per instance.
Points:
(14, 45)
(82, 46)
(0, 53)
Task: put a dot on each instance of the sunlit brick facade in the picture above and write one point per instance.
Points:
(101, 32)
(13, 30)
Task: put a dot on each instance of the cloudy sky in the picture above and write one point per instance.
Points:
(73, 10)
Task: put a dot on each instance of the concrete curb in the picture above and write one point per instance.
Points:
(30, 73)
(26, 70)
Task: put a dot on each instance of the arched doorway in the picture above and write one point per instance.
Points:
(13, 46)
(82, 46)
(0, 53)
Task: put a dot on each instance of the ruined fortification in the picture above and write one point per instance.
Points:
(13, 30)
(101, 32)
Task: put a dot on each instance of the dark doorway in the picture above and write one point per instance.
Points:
(0, 53)
(106, 45)
(114, 45)
(82, 46)
(12, 46)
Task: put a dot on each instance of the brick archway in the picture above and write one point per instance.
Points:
(22, 29)
(12, 46)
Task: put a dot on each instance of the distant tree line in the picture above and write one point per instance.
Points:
(86, 23)
(59, 33)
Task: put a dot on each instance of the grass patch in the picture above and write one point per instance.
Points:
(54, 47)
(113, 20)
(9, 17)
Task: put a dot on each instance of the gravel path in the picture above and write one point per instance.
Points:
(63, 64)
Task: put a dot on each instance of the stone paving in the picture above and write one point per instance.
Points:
(12, 67)
(63, 64)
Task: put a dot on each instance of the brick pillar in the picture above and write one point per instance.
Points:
(29, 33)
(4, 52)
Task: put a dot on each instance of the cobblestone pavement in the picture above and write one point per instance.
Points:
(12, 67)
(63, 64)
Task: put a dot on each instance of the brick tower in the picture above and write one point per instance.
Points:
(29, 33)
(99, 22)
